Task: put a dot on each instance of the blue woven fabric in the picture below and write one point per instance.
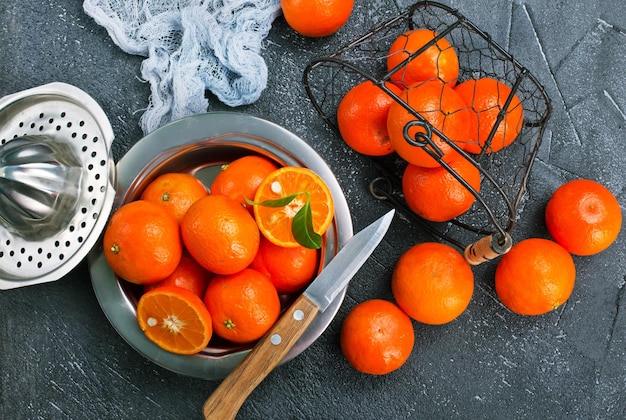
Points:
(191, 46)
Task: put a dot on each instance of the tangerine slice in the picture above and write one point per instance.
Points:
(275, 223)
(175, 319)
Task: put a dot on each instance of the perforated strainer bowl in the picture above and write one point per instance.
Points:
(68, 116)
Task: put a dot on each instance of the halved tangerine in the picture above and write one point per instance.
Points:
(175, 319)
(275, 223)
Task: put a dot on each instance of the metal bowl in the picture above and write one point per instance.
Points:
(200, 145)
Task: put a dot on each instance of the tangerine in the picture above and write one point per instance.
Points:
(362, 118)
(438, 60)
(377, 337)
(535, 277)
(175, 319)
(220, 234)
(437, 195)
(443, 109)
(307, 189)
(175, 192)
(240, 178)
(289, 269)
(583, 216)
(188, 275)
(487, 98)
(142, 243)
(432, 283)
(243, 306)
(316, 18)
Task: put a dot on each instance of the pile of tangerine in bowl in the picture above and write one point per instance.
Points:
(240, 250)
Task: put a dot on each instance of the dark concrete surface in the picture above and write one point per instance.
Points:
(61, 359)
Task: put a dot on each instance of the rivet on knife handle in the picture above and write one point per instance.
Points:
(228, 397)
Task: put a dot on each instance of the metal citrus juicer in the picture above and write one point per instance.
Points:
(56, 182)
(40, 181)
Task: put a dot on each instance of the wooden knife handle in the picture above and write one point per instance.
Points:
(228, 397)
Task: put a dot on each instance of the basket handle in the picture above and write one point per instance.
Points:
(488, 248)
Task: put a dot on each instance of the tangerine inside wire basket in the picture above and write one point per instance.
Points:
(486, 227)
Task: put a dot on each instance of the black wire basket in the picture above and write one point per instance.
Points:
(487, 225)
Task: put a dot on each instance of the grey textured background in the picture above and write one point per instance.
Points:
(60, 358)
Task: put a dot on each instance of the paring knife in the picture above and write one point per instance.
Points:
(226, 400)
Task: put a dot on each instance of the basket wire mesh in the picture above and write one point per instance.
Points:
(504, 173)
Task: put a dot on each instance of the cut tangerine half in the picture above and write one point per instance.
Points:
(175, 319)
(276, 222)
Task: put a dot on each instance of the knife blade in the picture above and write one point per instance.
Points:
(225, 401)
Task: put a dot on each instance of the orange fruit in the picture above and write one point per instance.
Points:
(487, 98)
(141, 242)
(316, 18)
(276, 222)
(435, 194)
(240, 178)
(377, 337)
(362, 118)
(244, 305)
(220, 234)
(535, 277)
(188, 275)
(175, 319)
(175, 192)
(583, 216)
(289, 269)
(442, 108)
(432, 283)
(439, 60)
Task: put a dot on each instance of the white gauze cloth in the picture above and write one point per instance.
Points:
(191, 46)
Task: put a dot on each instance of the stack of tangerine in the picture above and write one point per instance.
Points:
(217, 262)
(373, 122)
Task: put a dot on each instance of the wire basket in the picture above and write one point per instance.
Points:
(487, 225)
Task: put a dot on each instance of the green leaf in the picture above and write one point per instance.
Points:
(302, 223)
(302, 228)
(279, 202)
